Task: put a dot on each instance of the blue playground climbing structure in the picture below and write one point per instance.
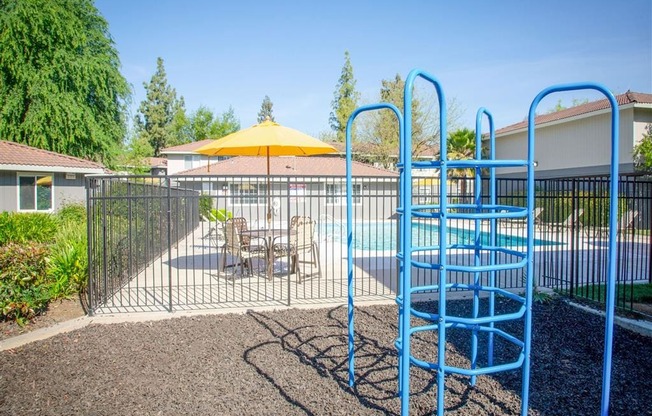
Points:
(489, 258)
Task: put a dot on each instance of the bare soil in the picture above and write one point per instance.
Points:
(294, 362)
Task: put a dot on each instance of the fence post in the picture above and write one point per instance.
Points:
(89, 248)
(169, 232)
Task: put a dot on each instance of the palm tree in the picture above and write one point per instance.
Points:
(461, 146)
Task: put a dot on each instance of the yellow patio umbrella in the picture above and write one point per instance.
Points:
(266, 139)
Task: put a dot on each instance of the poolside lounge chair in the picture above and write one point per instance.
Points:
(522, 222)
(626, 222)
(572, 221)
(240, 246)
(301, 241)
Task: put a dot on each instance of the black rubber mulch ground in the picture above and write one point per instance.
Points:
(294, 362)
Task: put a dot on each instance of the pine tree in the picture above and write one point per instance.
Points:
(157, 111)
(266, 110)
(60, 82)
(345, 100)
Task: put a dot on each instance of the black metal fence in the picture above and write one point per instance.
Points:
(158, 243)
(574, 213)
(131, 223)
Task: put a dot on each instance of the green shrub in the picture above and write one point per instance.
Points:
(23, 281)
(205, 206)
(221, 215)
(75, 212)
(68, 265)
(25, 227)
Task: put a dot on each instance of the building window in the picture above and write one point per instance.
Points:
(336, 194)
(191, 161)
(248, 193)
(35, 192)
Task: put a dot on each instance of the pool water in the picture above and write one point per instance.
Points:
(381, 236)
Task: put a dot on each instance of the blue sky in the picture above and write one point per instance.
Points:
(493, 54)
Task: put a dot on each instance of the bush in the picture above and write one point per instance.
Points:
(23, 281)
(68, 266)
(26, 227)
(221, 215)
(205, 206)
(75, 213)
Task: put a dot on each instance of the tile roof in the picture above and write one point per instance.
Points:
(16, 154)
(157, 162)
(366, 148)
(284, 166)
(186, 148)
(623, 99)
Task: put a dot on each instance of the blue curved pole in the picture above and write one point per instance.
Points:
(406, 196)
(492, 230)
(349, 223)
(613, 218)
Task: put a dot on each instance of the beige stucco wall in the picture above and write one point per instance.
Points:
(580, 146)
(176, 162)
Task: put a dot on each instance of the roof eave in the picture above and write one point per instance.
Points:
(53, 169)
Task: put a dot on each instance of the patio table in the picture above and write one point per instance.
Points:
(269, 235)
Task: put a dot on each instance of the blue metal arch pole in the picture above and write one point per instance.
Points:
(492, 232)
(349, 226)
(613, 218)
(406, 240)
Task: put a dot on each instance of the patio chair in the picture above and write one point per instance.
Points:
(572, 221)
(240, 246)
(522, 222)
(626, 222)
(301, 241)
(215, 233)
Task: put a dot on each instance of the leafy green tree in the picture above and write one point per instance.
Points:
(135, 158)
(205, 125)
(157, 111)
(180, 128)
(345, 100)
(225, 124)
(266, 110)
(201, 123)
(60, 83)
(643, 152)
(560, 106)
(384, 126)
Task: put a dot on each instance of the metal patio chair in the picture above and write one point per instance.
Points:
(240, 246)
(301, 241)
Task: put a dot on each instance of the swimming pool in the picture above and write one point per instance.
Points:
(381, 236)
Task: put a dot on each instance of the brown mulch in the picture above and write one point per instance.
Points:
(58, 311)
(294, 362)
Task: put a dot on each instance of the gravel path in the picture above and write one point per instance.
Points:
(294, 362)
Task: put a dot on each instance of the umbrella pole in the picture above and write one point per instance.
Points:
(269, 193)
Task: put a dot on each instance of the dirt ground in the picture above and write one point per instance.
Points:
(58, 311)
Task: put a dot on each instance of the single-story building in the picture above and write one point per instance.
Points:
(239, 184)
(577, 141)
(36, 180)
